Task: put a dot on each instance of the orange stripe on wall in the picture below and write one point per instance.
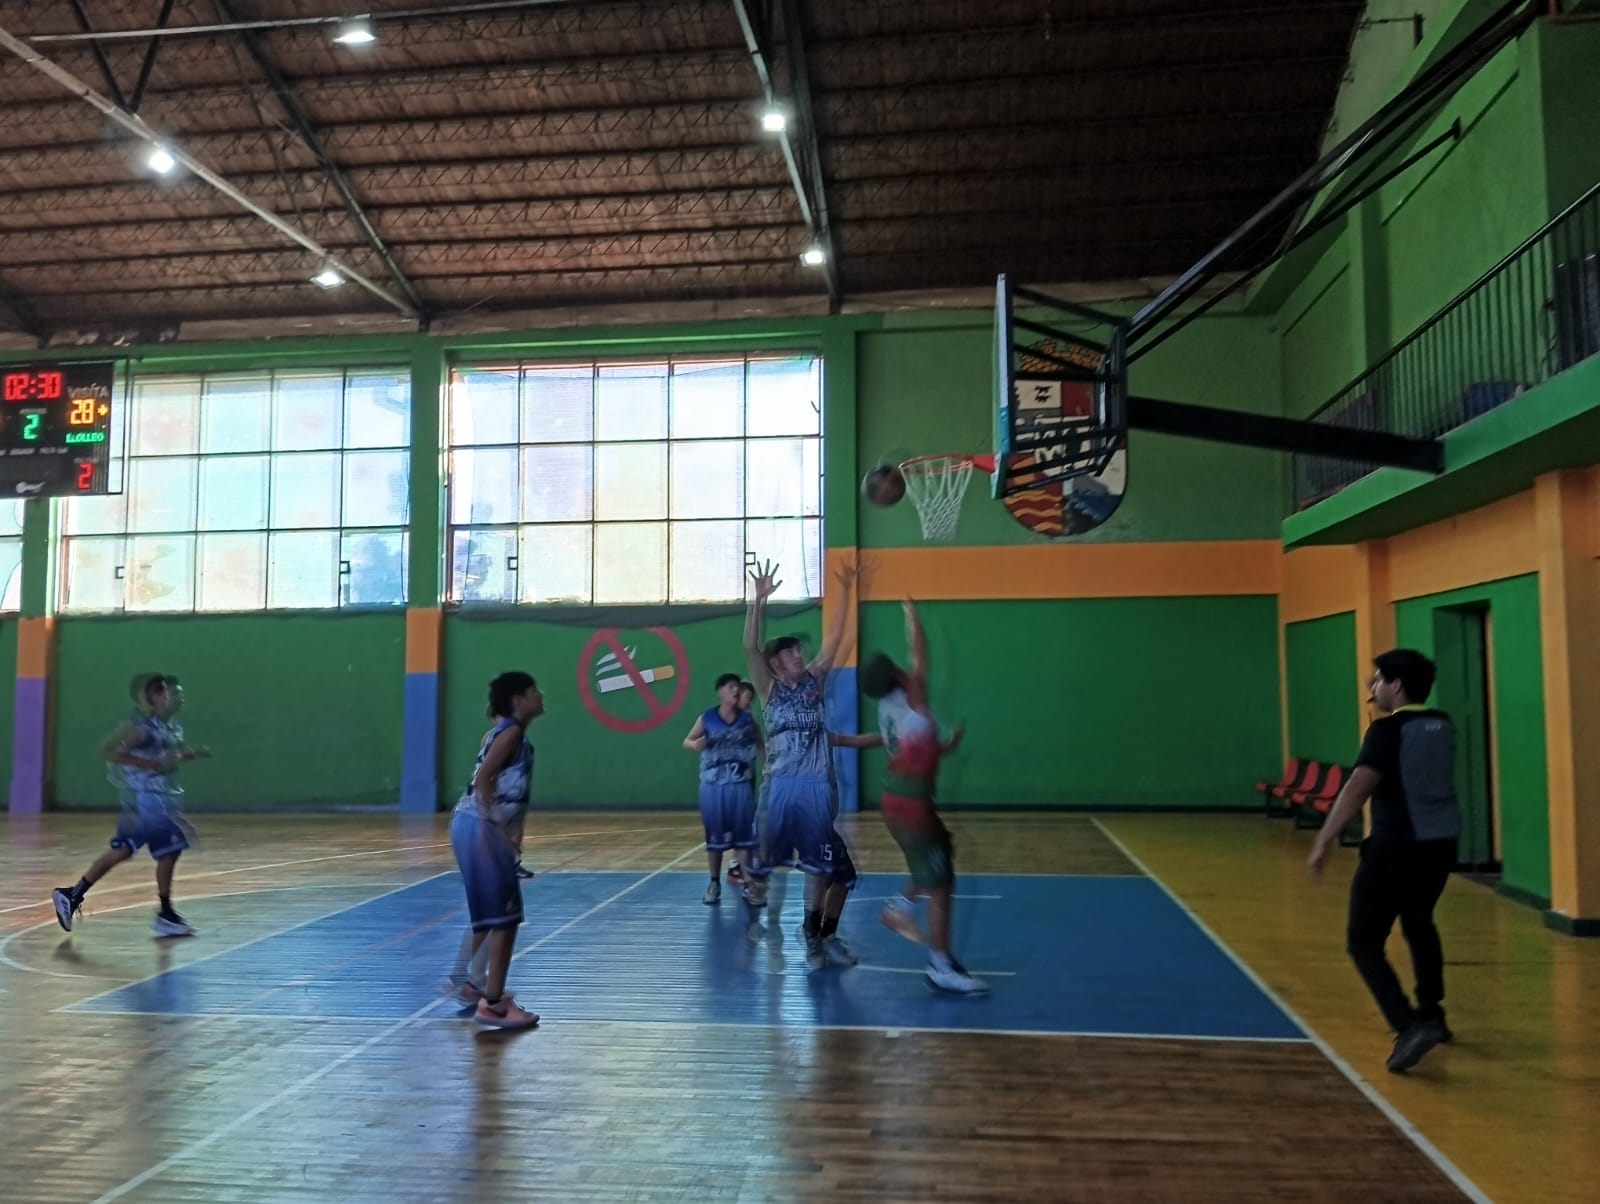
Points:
(1106, 570)
(35, 638)
(836, 559)
(1318, 581)
(422, 639)
(1488, 544)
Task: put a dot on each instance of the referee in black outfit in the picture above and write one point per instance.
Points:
(1406, 766)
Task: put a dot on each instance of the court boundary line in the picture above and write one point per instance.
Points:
(120, 888)
(243, 944)
(1407, 1129)
(888, 1030)
(5, 942)
(221, 1131)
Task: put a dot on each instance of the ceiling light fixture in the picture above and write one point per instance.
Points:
(161, 160)
(327, 278)
(357, 31)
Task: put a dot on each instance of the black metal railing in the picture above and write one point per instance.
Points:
(1534, 314)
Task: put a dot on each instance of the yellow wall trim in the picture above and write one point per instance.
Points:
(35, 647)
(1065, 571)
(1318, 582)
(423, 625)
(1488, 544)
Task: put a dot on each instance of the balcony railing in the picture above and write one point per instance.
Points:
(1534, 314)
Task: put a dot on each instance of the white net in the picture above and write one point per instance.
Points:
(936, 485)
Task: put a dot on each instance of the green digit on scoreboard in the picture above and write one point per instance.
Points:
(30, 426)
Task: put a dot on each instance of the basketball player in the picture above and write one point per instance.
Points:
(483, 836)
(911, 735)
(1406, 766)
(142, 756)
(800, 829)
(729, 745)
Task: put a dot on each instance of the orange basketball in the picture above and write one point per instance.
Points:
(884, 486)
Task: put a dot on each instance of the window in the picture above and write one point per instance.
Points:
(10, 556)
(278, 490)
(618, 483)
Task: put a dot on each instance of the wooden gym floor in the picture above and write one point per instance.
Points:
(299, 1049)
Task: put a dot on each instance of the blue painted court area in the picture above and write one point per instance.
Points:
(1063, 955)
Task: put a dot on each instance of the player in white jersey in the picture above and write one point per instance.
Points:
(911, 736)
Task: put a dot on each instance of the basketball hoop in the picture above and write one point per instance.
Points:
(936, 486)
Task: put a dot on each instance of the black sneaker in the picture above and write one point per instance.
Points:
(67, 905)
(1414, 1042)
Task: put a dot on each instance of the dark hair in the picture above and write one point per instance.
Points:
(747, 685)
(725, 678)
(146, 686)
(879, 676)
(782, 643)
(1414, 672)
(504, 689)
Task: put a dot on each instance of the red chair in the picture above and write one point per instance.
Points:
(1311, 775)
(1320, 800)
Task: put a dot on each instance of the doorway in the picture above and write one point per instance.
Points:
(1462, 643)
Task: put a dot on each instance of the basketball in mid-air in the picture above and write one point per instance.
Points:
(884, 486)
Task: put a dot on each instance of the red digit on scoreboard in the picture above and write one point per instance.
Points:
(85, 476)
(16, 386)
(50, 386)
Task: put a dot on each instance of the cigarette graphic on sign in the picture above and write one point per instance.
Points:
(618, 679)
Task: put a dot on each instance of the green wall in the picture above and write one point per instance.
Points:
(925, 388)
(1162, 701)
(1571, 98)
(1325, 686)
(297, 708)
(1518, 715)
(1319, 344)
(580, 761)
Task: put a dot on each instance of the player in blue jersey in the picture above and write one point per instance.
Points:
(730, 745)
(800, 829)
(142, 756)
(483, 834)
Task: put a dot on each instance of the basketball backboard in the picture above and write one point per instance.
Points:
(1061, 430)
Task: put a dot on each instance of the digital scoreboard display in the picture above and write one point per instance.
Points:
(55, 429)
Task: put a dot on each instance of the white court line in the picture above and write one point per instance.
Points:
(887, 1030)
(194, 1147)
(889, 898)
(15, 964)
(7, 960)
(1432, 1152)
(275, 865)
(252, 941)
(922, 970)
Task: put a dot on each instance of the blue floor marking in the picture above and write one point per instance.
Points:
(1085, 954)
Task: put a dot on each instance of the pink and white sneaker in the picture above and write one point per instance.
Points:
(505, 1014)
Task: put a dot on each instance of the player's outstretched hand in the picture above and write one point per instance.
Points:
(765, 575)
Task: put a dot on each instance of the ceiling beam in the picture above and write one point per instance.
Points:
(285, 94)
(100, 59)
(753, 25)
(801, 86)
(134, 125)
(149, 58)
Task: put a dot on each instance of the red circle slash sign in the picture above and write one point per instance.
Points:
(638, 679)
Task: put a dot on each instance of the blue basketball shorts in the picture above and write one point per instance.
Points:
(728, 810)
(800, 830)
(153, 825)
(487, 858)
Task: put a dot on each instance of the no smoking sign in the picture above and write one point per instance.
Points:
(617, 676)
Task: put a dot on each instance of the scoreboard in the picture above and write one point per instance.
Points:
(55, 429)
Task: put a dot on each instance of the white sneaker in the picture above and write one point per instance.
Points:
(838, 953)
(901, 920)
(954, 979)
(713, 893)
(176, 926)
